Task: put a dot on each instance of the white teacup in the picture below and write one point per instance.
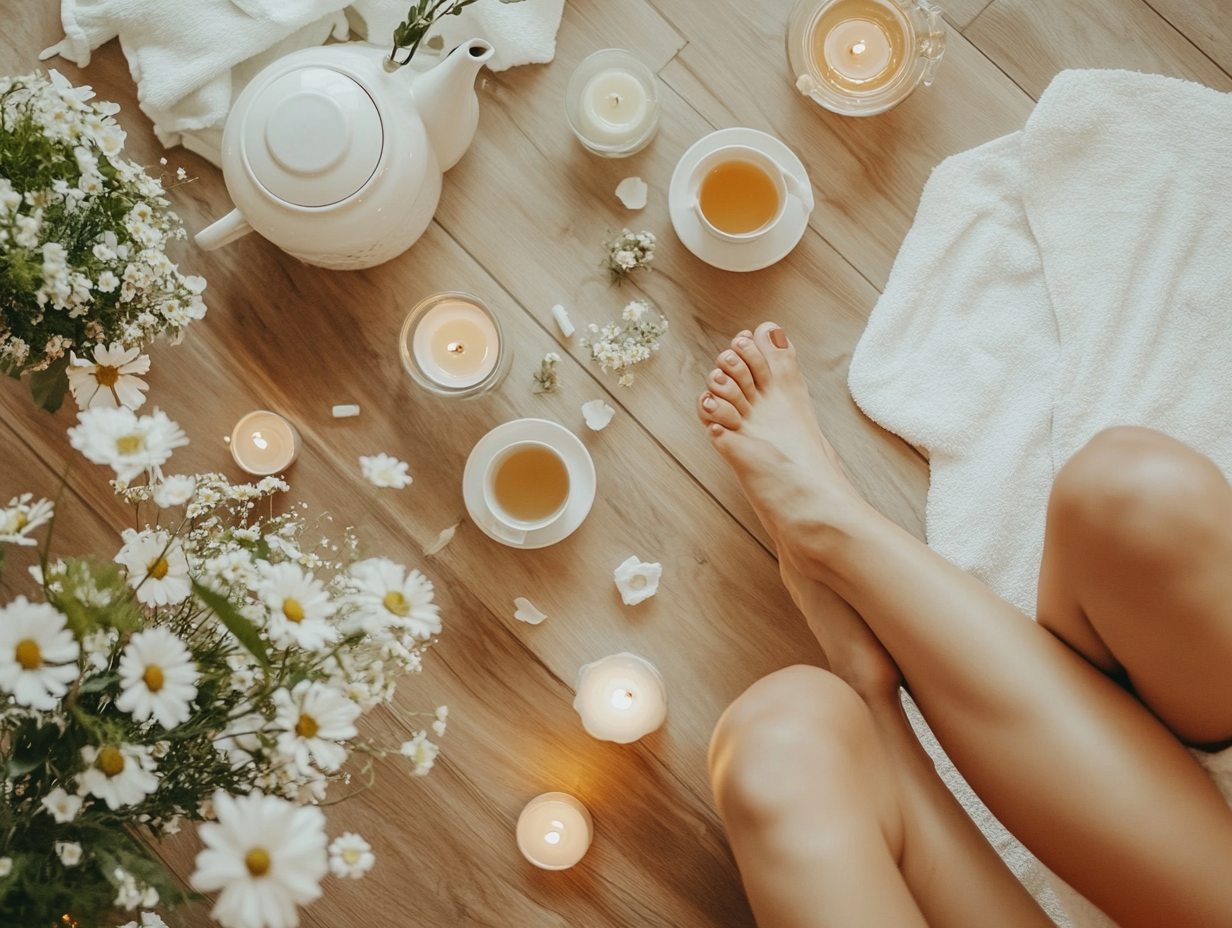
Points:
(785, 184)
(516, 502)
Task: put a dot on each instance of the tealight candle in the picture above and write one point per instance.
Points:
(264, 443)
(554, 831)
(620, 698)
(612, 103)
(857, 49)
(451, 344)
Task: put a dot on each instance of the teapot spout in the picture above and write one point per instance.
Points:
(445, 98)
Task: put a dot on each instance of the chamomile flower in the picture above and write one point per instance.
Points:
(312, 719)
(116, 436)
(61, 806)
(156, 567)
(350, 856)
(637, 580)
(175, 490)
(387, 595)
(157, 678)
(266, 854)
(299, 607)
(120, 775)
(69, 853)
(20, 517)
(111, 378)
(38, 655)
(383, 470)
(421, 752)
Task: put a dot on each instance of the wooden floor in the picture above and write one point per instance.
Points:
(520, 224)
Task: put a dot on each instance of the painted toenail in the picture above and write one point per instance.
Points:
(744, 343)
(730, 357)
(779, 338)
(720, 377)
(709, 404)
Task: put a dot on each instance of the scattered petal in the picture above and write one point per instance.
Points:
(632, 192)
(345, 412)
(444, 538)
(637, 580)
(383, 470)
(597, 414)
(526, 612)
(562, 319)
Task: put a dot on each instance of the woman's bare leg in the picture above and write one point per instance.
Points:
(1072, 763)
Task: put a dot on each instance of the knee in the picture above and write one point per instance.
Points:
(1135, 486)
(791, 733)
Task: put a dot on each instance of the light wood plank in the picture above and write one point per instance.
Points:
(1031, 40)
(960, 13)
(1206, 23)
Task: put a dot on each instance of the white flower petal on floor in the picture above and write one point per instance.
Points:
(383, 470)
(61, 806)
(175, 490)
(597, 414)
(526, 611)
(120, 775)
(311, 719)
(637, 580)
(38, 655)
(299, 607)
(350, 856)
(20, 517)
(632, 192)
(156, 567)
(111, 378)
(129, 444)
(157, 678)
(266, 854)
(386, 595)
(443, 539)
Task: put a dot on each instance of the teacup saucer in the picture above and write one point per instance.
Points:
(582, 482)
(730, 256)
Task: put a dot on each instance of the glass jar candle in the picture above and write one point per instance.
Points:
(452, 345)
(612, 103)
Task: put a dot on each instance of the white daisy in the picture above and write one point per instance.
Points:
(299, 607)
(350, 856)
(61, 806)
(157, 678)
(386, 595)
(69, 853)
(383, 470)
(637, 580)
(38, 655)
(266, 854)
(421, 752)
(312, 719)
(120, 775)
(175, 490)
(20, 517)
(111, 380)
(156, 567)
(116, 436)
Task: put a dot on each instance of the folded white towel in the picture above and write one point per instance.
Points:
(1057, 281)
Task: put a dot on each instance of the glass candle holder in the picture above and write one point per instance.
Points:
(452, 345)
(612, 103)
(861, 57)
(264, 443)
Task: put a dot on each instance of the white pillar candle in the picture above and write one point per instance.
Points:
(456, 344)
(857, 49)
(264, 443)
(620, 698)
(554, 831)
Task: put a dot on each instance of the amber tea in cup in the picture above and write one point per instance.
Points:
(738, 197)
(529, 485)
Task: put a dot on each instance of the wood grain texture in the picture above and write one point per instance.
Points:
(960, 13)
(1031, 40)
(1206, 23)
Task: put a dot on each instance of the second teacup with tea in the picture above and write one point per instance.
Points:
(526, 487)
(740, 193)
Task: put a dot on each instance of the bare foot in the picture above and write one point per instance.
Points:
(758, 416)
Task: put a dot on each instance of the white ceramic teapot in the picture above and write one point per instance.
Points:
(337, 160)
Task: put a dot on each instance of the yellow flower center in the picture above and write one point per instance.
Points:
(17, 521)
(153, 678)
(351, 856)
(110, 761)
(106, 375)
(29, 655)
(293, 610)
(396, 603)
(130, 444)
(159, 568)
(307, 727)
(257, 861)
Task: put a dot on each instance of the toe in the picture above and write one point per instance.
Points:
(731, 364)
(716, 411)
(772, 341)
(728, 389)
(743, 333)
(755, 359)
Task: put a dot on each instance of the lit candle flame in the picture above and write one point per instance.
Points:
(858, 48)
(259, 441)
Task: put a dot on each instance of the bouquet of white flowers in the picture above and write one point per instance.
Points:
(83, 236)
(213, 671)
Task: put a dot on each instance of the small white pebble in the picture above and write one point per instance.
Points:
(562, 320)
(345, 412)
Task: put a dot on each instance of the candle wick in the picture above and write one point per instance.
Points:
(455, 348)
(858, 48)
(614, 99)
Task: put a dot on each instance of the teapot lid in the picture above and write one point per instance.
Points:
(313, 136)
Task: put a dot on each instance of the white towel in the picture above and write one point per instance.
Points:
(1057, 281)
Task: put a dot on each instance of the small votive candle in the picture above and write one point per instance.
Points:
(554, 831)
(264, 443)
(452, 345)
(612, 103)
(620, 698)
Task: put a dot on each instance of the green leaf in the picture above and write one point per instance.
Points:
(97, 684)
(49, 385)
(239, 626)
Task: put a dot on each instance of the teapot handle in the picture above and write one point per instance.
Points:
(223, 232)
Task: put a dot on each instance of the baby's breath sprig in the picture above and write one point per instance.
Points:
(618, 347)
(628, 252)
(546, 378)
